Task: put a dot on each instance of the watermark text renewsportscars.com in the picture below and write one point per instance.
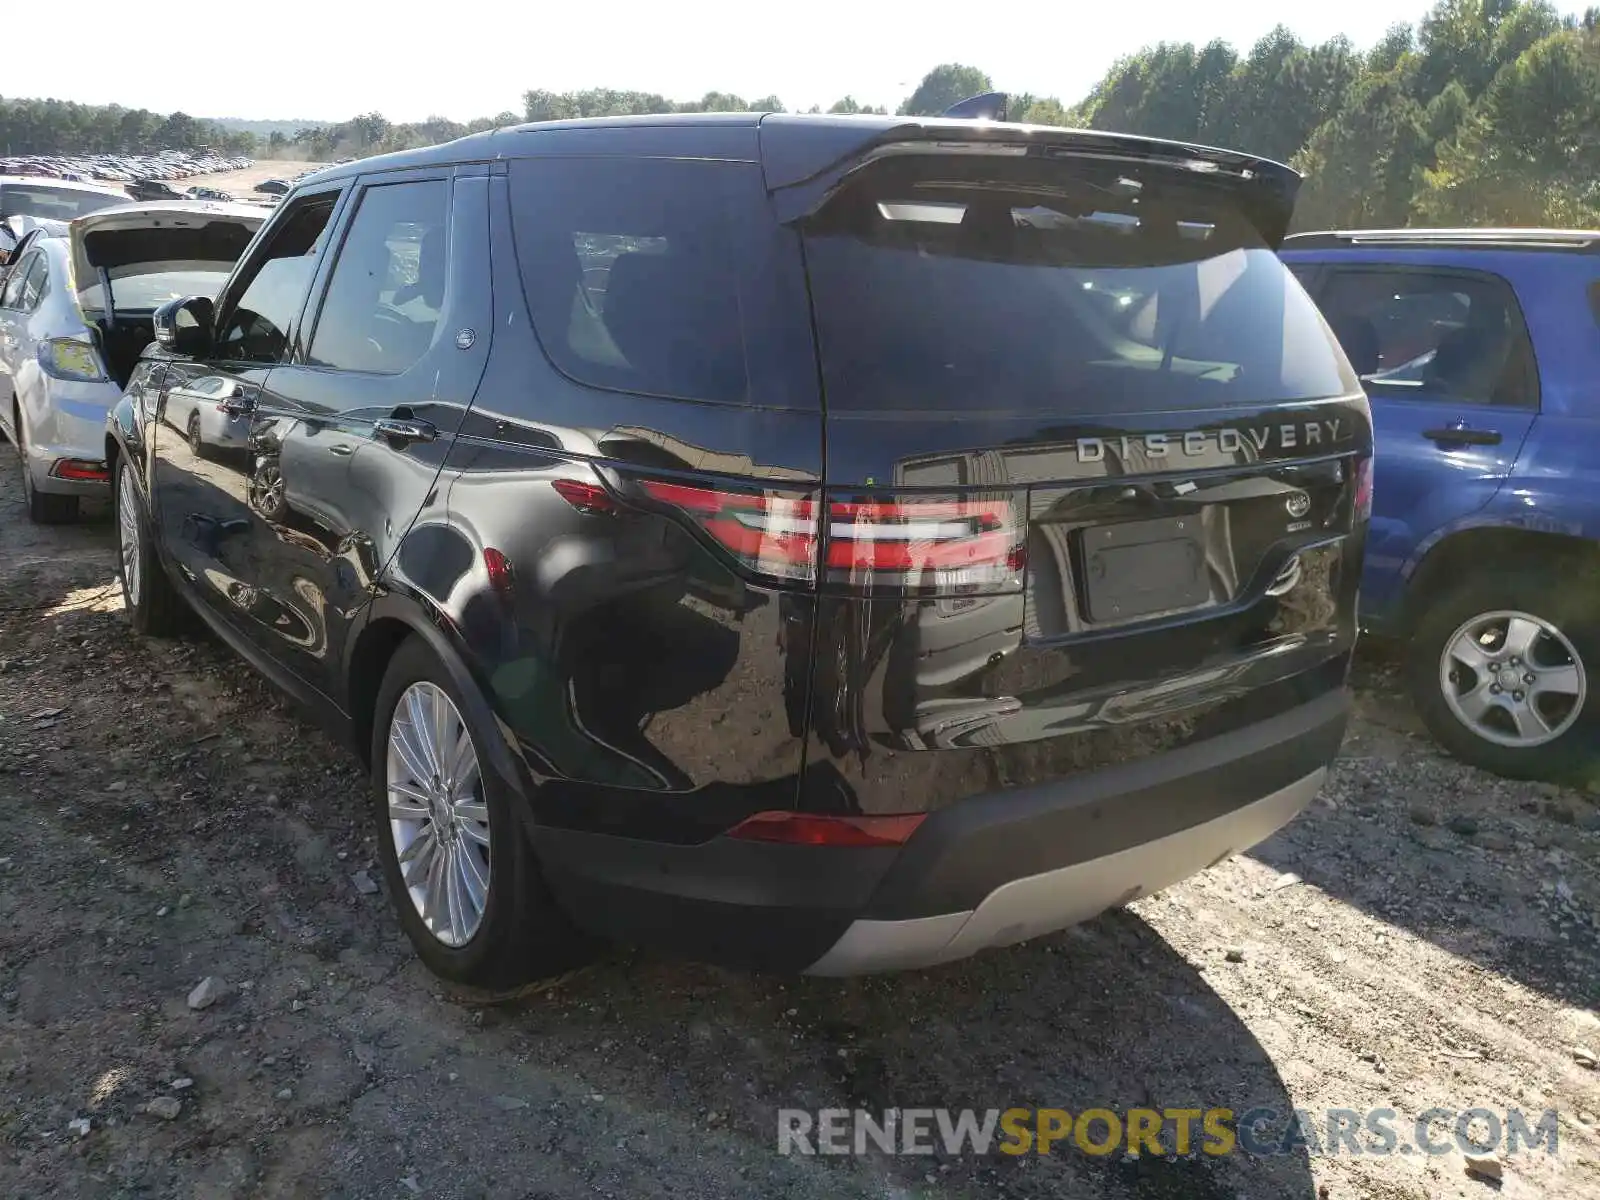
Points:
(1163, 1132)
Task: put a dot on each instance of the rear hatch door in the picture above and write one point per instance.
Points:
(183, 246)
(1092, 453)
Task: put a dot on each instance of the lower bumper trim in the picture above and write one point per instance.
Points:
(1052, 900)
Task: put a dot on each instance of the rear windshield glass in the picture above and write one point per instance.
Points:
(989, 285)
(59, 204)
(663, 277)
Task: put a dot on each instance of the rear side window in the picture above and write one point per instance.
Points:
(1426, 334)
(975, 283)
(15, 280)
(664, 277)
(35, 287)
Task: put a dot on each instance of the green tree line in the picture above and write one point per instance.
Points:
(62, 127)
(1484, 111)
(1487, 111)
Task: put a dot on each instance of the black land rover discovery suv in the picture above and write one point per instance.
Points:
(813, 543)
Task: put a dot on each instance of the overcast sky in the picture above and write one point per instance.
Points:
(332, 59)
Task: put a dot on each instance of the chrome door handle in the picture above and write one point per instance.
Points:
(403, 432)
(342, 449)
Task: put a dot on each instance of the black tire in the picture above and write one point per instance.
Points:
(1565, 597)
(157, 610)
(197, 443)
(44, 508)
(522, 936)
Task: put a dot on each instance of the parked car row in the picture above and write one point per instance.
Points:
(76, 308)
(121, 168)
(758, 542)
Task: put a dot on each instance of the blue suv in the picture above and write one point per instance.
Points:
(1480, 354)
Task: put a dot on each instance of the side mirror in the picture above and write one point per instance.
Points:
(184, 326)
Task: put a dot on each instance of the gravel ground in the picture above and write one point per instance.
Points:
(239, 183)
(168, 821)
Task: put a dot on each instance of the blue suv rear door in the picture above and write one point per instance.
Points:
(1446, 359)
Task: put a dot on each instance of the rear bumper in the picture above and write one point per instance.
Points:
(992, 870)
(76, 429)
(1052, 900)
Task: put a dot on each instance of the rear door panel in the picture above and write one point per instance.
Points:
(1443, 452)
(348, 493)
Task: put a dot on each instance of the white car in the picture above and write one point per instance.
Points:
(56, 199)
(75, 315)
(197, 412)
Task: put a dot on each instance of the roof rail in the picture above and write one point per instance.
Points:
(1580, 240)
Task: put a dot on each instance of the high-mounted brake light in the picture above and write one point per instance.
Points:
(810, 829)
(939, 543)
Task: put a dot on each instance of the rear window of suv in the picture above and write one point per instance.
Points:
(971, 283)
(663, 276)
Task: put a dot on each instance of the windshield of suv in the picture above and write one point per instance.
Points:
(59, 204)
(1034, 285)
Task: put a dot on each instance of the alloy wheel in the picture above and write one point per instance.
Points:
(128, 533)
(1513, 679)
(438, 816)
(269, 492)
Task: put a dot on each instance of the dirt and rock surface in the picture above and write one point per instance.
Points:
(1424, 935)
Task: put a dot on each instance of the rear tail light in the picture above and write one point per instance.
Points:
(588, 498)
(1363, 503)
(809, 829)
(773, 533)
(939, 543)
(81, 469)
(501, 576)
(946, 543)
(68, 358)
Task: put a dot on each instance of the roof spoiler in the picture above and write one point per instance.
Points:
(806, 160)
(991, 106)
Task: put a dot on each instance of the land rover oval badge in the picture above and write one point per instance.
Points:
(1298, 504)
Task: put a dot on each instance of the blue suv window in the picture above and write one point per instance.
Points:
(1429, 333)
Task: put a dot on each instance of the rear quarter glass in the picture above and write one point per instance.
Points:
(1023, 286)
(663, 277)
